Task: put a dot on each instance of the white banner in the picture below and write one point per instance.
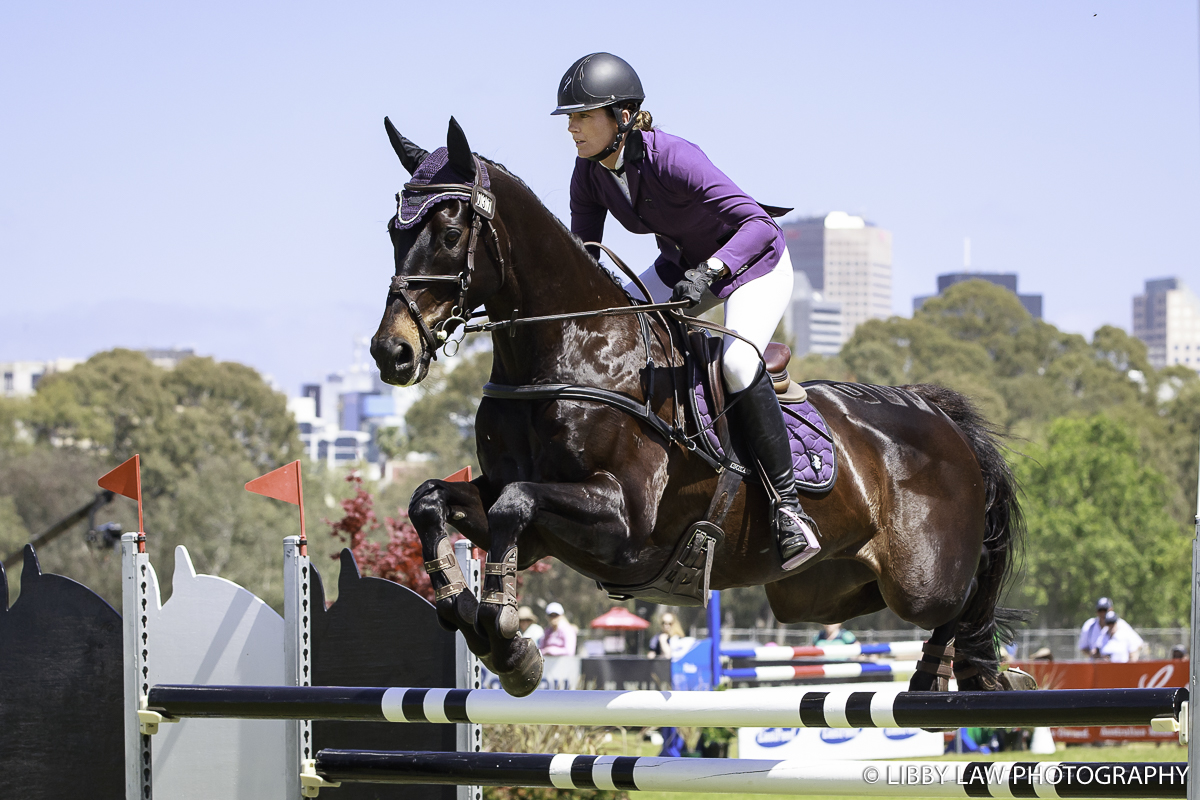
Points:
(559, 672)
(837, 744)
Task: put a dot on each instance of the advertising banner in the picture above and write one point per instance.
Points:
(838, 744)
(1107, 675)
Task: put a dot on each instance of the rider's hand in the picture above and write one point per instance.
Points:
(692, 287)
(697, 281)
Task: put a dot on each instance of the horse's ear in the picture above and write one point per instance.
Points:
(459, 151)
(411, 156)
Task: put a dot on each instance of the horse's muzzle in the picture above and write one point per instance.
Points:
(397, 361)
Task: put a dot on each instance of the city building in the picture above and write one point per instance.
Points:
(339, 417)
(848, 263)
(813, 323)
(1032, 302)
(1167, 318)
(20, 378)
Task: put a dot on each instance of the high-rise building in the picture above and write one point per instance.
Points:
(1032, 302)
(814, 323)
(1167, 319)
(848, 262)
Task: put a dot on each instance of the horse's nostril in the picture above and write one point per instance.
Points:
(402, 353)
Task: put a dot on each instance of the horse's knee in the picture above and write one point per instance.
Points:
(427, 504)
(513, 510)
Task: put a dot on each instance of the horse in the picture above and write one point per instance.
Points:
(923, 517)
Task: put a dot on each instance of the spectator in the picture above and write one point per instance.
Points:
(1115, 645)
(834, 634)
(1089, 634)
(1044, 654)
(528, 622)
(663, 642)
(559, 640)
(1178, 651)
(1092, 634)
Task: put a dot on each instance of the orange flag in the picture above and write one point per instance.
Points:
(463, 475)
(126, 480)
(284, 484)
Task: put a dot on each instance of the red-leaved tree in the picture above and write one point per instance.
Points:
(400, 559)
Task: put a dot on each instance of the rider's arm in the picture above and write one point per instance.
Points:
(687, 170)
(587, 213)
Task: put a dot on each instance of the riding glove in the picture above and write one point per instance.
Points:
(696, 281)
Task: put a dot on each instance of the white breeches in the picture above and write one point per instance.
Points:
(753, 310)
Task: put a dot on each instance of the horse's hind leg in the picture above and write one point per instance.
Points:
(433, 505)
(934, 669)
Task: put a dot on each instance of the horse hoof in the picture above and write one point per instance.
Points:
(1017, 680)
(526, 676)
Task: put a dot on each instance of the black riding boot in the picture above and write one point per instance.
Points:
(758, 416)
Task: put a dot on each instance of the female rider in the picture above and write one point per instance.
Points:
(717, 245)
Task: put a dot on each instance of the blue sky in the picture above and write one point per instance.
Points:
(216, 175)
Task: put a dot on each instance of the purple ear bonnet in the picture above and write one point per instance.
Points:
(435, 169)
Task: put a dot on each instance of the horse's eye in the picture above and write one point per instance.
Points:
(452, 236)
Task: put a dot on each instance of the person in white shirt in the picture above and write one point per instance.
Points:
(1099, 631)
(560, 639)
(1118, 643)
(528, 622)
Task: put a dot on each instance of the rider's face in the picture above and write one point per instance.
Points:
(592, 131)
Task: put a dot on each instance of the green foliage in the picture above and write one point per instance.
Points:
(1105, 446)
(1098, 525)
(202, 430)
(13, 535)
(442, 422)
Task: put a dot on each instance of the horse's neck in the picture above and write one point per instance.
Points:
(549, 274)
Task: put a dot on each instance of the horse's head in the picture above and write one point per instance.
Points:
(442, 226)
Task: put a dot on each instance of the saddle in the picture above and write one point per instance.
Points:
(684, 581)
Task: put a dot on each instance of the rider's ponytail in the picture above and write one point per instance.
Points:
(643, 121)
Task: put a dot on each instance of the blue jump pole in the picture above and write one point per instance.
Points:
(714, 634)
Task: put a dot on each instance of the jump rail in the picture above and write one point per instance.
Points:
(829, 651)
(784, 707)
(853, 669)
(710, 776)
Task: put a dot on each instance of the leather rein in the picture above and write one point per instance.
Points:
(483, 207)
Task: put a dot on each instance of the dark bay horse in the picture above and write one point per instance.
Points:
(923, 517)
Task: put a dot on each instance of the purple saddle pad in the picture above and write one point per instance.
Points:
(813, 457)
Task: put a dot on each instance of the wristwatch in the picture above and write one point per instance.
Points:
(713, 269)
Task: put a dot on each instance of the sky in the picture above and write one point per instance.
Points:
(216, 175)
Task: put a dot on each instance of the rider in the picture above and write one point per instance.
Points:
(717, 245)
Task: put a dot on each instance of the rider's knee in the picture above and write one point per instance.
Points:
(740, 366)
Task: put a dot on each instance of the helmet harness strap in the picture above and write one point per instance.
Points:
(622, 129)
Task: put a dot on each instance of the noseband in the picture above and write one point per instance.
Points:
(483, 210)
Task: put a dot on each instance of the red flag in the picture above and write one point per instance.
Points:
(463, 475)
(284, 484)
(126, 480)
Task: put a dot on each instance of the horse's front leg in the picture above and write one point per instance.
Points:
(433, 505)
(594, 508)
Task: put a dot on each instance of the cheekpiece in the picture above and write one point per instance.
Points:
(435, 170)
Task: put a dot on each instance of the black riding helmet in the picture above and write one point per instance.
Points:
(600, 80)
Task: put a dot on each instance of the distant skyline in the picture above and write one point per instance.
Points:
(217, 176)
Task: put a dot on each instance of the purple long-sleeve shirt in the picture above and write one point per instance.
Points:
(676, 193)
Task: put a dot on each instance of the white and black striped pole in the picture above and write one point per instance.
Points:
(783, 707)
(1045, 779)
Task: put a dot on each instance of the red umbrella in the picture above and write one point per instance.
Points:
(620, 619)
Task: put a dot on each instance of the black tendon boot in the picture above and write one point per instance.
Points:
(758, 416)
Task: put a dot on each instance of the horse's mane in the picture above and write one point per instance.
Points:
(577, 241)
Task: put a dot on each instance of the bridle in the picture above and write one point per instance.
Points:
(483, 211)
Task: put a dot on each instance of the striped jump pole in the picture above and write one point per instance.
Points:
(782, 707)
(851, 669)
(721, 775)
(832, 652)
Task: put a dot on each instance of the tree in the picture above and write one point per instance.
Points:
(442, 422)
(1099, 526)
(202, 430)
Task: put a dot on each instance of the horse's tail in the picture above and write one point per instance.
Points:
(984, 624)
